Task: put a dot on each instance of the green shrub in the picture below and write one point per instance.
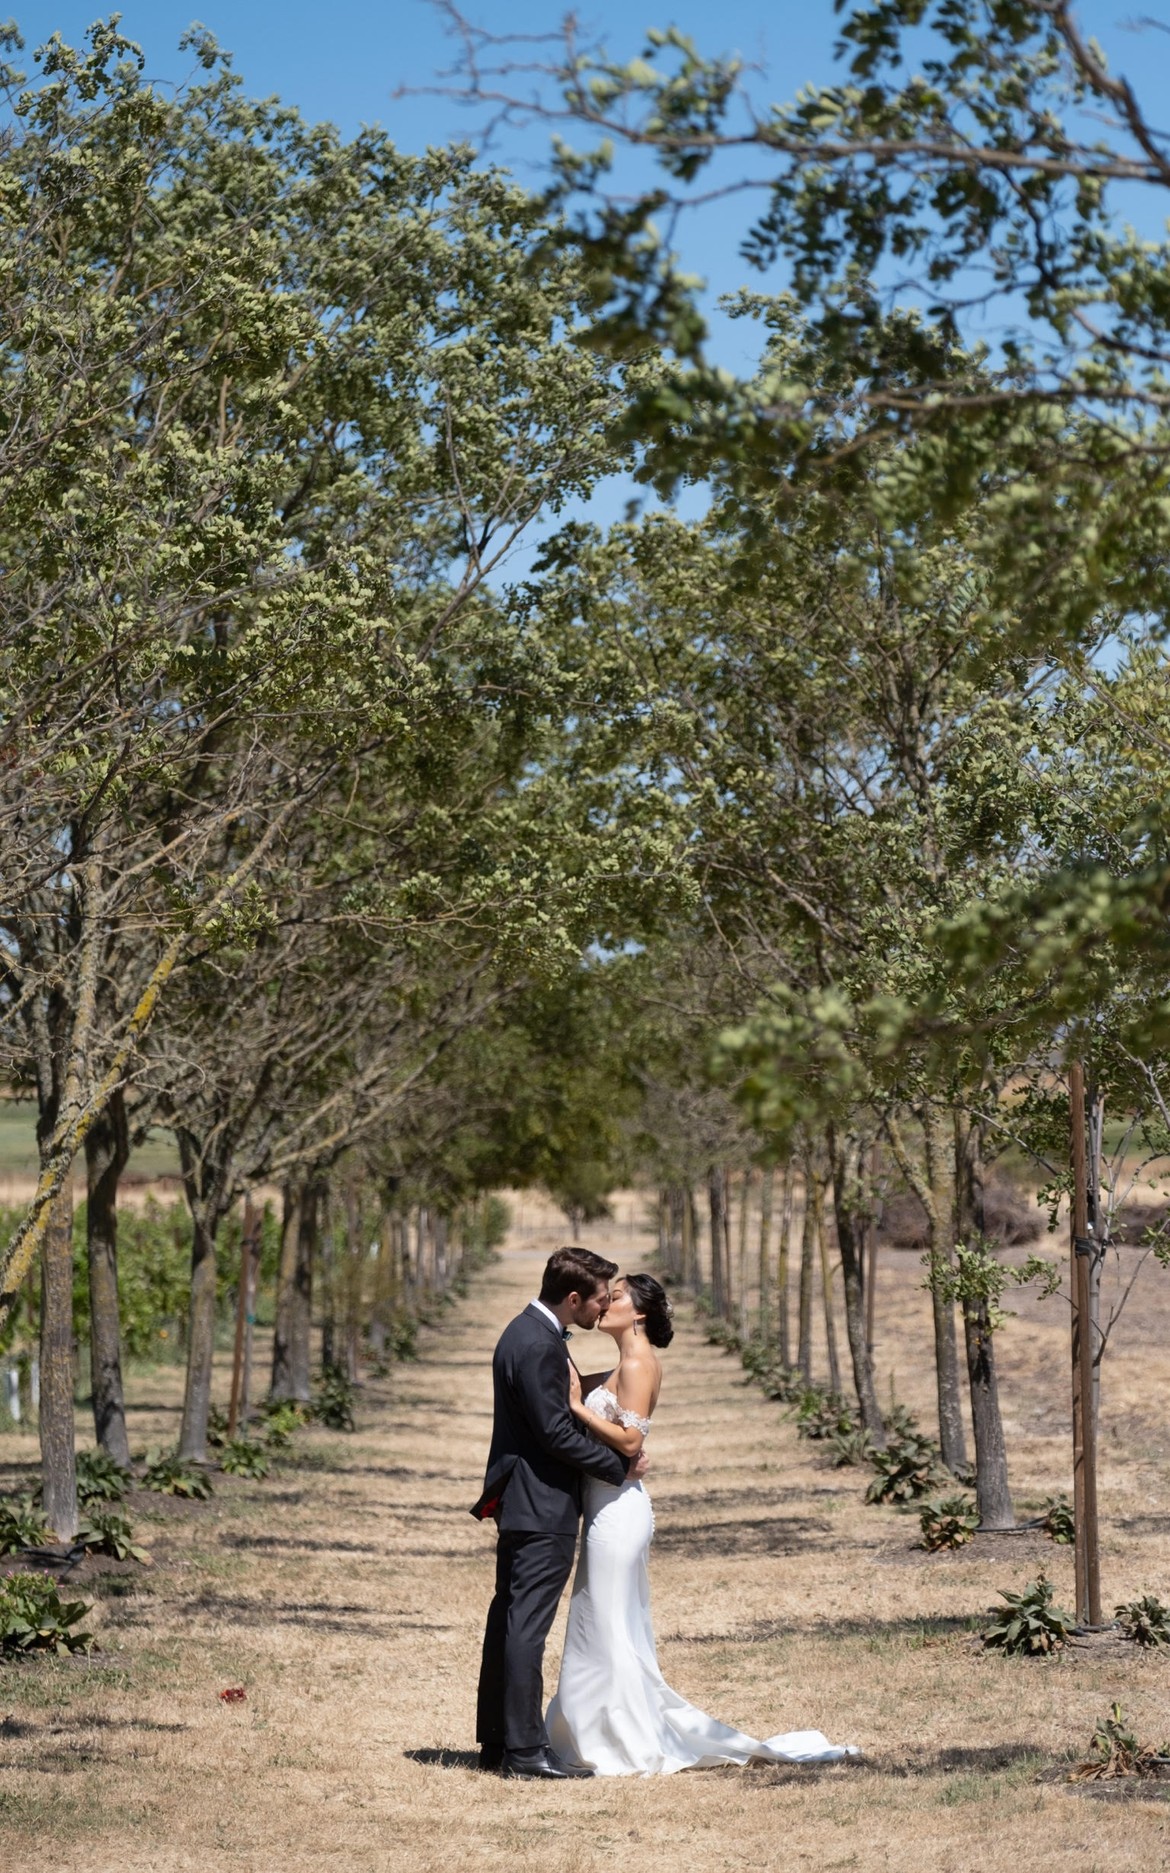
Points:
(1058, 1523)
(851, 1448)
(906, 1469)
(1030, 1624)
(244, 1456)
(279, 1419)
(402, 1336)
(1116, 1751)
(34, 1617)
(1145, 1621)
(105, 1531)
(168, 1474)
(948, 1523)
(100, 1478)
(22, 1525)
(821, 1414)
(217, 1427)
(333, 1401)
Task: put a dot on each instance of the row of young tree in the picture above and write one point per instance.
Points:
(820, 831)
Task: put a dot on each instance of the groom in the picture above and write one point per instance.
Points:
(533, 1489)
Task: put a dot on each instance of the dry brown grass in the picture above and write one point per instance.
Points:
(347, 1594)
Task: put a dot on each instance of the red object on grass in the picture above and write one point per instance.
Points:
(235, 1694)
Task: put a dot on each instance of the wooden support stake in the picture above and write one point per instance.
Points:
(1087, 1532)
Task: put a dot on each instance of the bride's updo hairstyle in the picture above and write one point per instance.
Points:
(650, 1298)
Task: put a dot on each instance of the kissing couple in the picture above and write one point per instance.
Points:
(563, 1445)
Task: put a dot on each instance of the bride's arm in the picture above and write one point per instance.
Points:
(635, 1391)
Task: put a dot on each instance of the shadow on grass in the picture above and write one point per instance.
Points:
(301, 1544)
(987, 1760)
(444, 1758)
(771, 1534)
(917, 1632)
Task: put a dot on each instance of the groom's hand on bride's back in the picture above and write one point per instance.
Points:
(639, 1465)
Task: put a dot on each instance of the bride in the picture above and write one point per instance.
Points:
(613, 1710)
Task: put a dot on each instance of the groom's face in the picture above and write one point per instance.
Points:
(589, 1309)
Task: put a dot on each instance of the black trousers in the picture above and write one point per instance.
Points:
(531, 1571)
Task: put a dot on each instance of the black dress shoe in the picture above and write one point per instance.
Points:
(541, 1766)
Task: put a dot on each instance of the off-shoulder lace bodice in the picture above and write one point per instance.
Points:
(605, 1404)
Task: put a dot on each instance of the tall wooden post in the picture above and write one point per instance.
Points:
(1088, 1548)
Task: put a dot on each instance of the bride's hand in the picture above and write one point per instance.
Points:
(574, 1387)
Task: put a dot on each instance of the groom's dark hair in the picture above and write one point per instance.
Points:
(573, 1271)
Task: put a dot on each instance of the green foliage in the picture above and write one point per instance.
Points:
(333, 1401)
(1032, 1625)
(279, 1419)
(821, 1414)
(100, 1478)
(34, 1618)
(906, 1469)
(1145, 1621)
(1058, 1522)
(217, 1427)
(851, 1448)
(244, 1456)
(949, 1522)
(1115, 1750)
(105, 1531)
(22, 1525)
(168, 1474)
(402, 1335)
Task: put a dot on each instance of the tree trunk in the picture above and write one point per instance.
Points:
(58, 1460)
(745, 1205)
(941, 1218)
(861, 1358)
(992, 1492)
(200, 1337)
(291, 1371)
(328, 1288)
(690, 1242)
(765, 1263)
(808, 1243)
(783, 1336)
(107, 1149)
(717, 1205)
(827, 1290)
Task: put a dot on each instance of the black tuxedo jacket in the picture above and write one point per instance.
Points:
(538, 1450)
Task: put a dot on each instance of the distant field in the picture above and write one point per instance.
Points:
(18, 1148)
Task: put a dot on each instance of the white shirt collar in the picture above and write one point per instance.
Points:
(549, 1315)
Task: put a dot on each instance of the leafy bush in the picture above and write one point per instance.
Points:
(1116, 1751)
(948, 1523)
(821, 1414)
(1145, 1621)
(851, 1448)
(34, 1617)
(217, 1427)
(722, 1333)
(168, 1474)
(906, 1469)
(100, 1478)
(105, 1531)
(1030, 1624)
(22, 1525)
(402, 1336)
(1058, 1523)
(244, 1456)
(333, 1401)
(280, 1419)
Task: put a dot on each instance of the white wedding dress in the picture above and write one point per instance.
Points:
(614, 1711)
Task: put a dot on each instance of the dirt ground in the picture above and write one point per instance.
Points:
(346, 1594)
